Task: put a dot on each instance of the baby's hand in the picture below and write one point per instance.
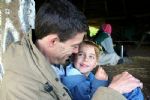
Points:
(101, 74)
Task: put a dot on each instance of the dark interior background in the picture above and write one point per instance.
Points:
(130, 19)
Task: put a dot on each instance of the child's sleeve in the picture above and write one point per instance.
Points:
(78, 86)
(136, 94)
(98, 83)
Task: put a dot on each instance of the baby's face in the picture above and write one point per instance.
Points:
(85, 60)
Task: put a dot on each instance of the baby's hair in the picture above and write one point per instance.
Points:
(98, 48)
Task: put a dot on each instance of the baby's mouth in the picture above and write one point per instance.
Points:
(84, 65)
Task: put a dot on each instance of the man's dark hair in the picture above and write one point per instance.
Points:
(59, 17)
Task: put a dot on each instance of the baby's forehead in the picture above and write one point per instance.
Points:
(87, 46)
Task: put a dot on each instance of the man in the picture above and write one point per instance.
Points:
(59, 29)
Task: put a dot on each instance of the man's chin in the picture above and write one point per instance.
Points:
(65, 62)
(58, 63)
(62, 61)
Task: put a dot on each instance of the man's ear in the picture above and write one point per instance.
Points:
(53, 39)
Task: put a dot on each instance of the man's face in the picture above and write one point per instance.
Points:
(61, 51)
(85, 59)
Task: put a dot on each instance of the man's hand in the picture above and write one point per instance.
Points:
(125, 83)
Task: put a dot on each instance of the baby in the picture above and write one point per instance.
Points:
(80, 80)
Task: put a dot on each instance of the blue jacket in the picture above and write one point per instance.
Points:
(136, 94)
(81, 87)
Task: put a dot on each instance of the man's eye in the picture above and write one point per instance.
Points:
(80, 54)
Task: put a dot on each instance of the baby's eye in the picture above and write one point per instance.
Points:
(91, 57)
